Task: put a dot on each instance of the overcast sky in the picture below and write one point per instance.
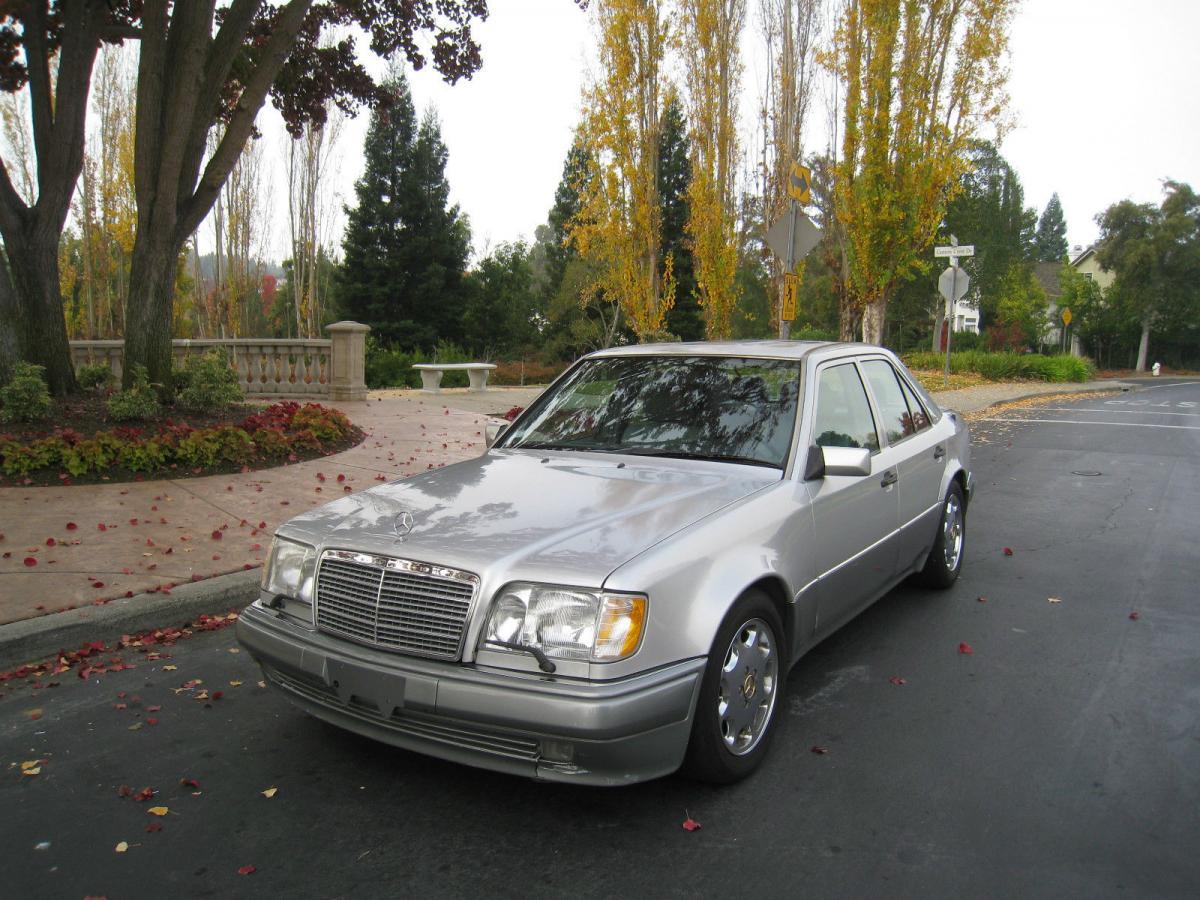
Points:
(1104, 93)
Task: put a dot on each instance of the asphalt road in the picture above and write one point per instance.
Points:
(1060, 758)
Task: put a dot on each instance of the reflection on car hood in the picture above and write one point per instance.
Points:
(563, 515)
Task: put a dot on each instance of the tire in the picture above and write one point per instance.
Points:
(945, 559)
(740, 694)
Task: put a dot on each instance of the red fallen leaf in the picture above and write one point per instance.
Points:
(153, 708)
(50, 542)
(216, 556)
(320, 477)
(897, 680)
(102, 527)
(256, 546)
(97, 584)
(129, 593)
(247, 566)
(153, 827)
(1008, 551)
(981, 599)
(150, 720)
(819, 750)
(247, 870)
(190, 782)
(216, 535)
(346, 488)
(229, 487)
(965, 648)
(133, 521)
(168, 551)
(1135, 616)
(690, 824)
(262, 524)
(71, 526)
(341, 478)
(149, 542)
(127, 571)
(30, 561)
(124, 791)
(217, 695)
(120, 706)
(144, 794)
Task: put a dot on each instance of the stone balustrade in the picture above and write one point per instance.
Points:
(331, 369)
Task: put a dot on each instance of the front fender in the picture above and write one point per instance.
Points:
(694, 578)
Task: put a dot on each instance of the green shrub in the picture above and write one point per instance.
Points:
(387, 368)
(95, 375)
(965, 340)
(1007, 366)
(211, 383)
(25, 398)
(138, 403)
(808, 333)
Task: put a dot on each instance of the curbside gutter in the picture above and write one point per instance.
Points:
(37, 639)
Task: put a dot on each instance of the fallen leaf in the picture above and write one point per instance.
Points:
(144, 794)
(124, 791)
(51, 542)
(819, 750)
(1054, 599)
(1008, 551)
(71, 526)
(981, 599)
(247, 870)
(169, 668)
(158, 810)
(216, 535)
(1135, 616)
(190, 782)
(965, 648)
(30, 561)
(897, 680)
(269, 792)
(690, 824)
(122, 847)
(152, 827)
(235, 684)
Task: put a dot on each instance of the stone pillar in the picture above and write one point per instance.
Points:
(347, 364)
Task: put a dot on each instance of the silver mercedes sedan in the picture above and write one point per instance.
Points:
(619, 586)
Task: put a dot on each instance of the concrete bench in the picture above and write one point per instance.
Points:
(431, 374)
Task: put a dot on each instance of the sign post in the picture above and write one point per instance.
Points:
(792, 237)
(952, 284)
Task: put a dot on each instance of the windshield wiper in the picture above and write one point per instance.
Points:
(543, 660)
(543, 445)
(704, 457)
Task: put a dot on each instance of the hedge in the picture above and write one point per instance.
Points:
(1007, 366)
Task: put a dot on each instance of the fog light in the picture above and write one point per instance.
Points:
(558, 751)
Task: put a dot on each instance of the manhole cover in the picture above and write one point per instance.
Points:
(1087, 473)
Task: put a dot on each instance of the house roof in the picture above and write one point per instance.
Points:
(1047, 276)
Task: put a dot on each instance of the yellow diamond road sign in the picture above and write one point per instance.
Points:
(1066, 316)
(800, 183)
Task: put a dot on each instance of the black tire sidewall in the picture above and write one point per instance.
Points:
(935, 572)
(707, 757)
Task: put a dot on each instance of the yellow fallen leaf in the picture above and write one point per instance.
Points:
(158, 810)
(170, 668)
(234, 650)
(29, 764)
(203, 695)
(235, 684)
(1054, 599)
(269, 792)
(262, 684)
(122, 847)
(34, 771)
(136, 727)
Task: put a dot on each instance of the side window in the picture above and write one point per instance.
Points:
(885, 385)
(843, 416)
(920, 418)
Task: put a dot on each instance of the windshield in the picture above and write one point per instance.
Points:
(701, 407)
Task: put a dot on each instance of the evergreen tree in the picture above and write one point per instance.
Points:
(405, 247)
(1050, 243)
(552, 245)
(504, 310)
(685, 318)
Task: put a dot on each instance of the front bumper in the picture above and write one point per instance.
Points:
(601, 733)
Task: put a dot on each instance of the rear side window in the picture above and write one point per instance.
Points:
(843, 416)
(898, 420)
(920, 418)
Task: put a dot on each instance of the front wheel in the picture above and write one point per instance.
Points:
(740, 693)
(945, 559)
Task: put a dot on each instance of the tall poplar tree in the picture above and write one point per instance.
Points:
(918, 81)
(405, 248)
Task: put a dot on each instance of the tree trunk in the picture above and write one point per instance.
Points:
(1143, 347)
(9, 349)
(874, 316)
(41, 328)
(148, 310)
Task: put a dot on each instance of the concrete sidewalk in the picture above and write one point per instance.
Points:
(102, 560)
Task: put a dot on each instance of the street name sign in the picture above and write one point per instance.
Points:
(955, 250)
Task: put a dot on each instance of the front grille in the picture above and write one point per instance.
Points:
(394, 604)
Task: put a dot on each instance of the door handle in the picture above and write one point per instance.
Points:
(889, 478)
(939, 452)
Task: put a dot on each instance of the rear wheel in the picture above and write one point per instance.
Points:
(945, 559)
(740, 693)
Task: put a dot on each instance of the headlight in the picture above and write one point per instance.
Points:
(567, 622)
(289, 570)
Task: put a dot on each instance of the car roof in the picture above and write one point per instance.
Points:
(755, 349)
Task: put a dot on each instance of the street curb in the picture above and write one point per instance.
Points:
(32, 640)
(1066, 389)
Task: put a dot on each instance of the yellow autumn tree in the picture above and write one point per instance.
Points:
(919, 79)
(790, 32)
(618, 226)
(709, 36)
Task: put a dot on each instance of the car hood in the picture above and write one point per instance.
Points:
(550, 516)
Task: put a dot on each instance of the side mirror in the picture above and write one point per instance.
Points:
(822, 461)
(493, 431)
